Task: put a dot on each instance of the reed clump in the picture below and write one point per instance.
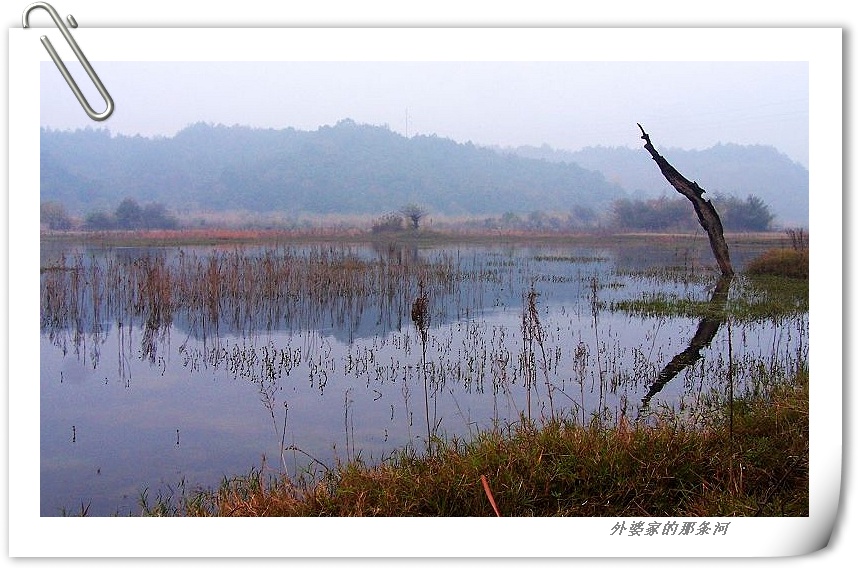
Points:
(758, 467)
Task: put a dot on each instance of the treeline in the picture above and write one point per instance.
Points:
(128, 215)
(751, 214)
(663, 214)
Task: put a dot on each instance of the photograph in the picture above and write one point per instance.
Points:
(508, 281)
(447, 289)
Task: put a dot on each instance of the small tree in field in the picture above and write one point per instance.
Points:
(129, 214)
(414, 213)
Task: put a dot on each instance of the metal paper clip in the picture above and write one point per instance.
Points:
(80, 56)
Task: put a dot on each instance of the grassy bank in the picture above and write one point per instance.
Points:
(750, 459)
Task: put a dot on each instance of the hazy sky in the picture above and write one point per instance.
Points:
(567, 105)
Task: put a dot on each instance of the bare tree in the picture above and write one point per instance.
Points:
(414, 213)
(54, 216)
(706, 213)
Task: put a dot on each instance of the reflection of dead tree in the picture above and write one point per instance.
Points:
(706, 331)
(706, 214)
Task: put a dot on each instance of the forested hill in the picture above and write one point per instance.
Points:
(727, 169)
(344, 169)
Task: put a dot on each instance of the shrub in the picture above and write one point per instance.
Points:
(749, 214)
(791, 263)
(389, 223)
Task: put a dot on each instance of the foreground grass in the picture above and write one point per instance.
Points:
(754, 462)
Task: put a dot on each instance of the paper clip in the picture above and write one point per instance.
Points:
(80, 56)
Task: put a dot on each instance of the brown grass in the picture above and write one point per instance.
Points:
(791, 263)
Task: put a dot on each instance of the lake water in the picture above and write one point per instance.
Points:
(152, 388)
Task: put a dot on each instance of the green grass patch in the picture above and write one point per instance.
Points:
(752, 298)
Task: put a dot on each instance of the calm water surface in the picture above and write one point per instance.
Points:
(138, 399)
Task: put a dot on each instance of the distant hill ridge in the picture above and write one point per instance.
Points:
(348, 168)
(352, 168)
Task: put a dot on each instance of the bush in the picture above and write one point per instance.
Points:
(781, 262)
(749, 214)
(389, 223)
(99, 221)
(659, 214)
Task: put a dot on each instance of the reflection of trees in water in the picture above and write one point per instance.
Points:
(395, 252)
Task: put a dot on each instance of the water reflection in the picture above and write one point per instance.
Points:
(706, 330)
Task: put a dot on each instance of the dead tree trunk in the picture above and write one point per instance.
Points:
(706, 214)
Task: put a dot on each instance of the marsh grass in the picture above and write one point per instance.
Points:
(559, 467)
(532, 332)
(241, 288)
